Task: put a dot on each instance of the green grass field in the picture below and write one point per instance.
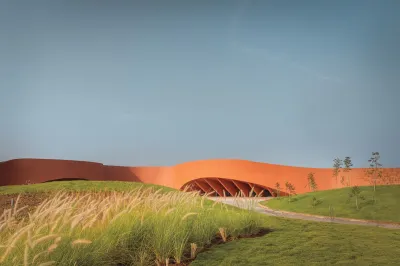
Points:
(78, 186)
(386, 207)
(291, 242)
(296, 242)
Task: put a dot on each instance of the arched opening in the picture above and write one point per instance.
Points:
(227, 194)
(65, 179)
(222, 187)
(265, 193)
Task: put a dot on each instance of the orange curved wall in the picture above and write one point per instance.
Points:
(20, 171)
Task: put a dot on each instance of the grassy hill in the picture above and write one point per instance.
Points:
(385, 208)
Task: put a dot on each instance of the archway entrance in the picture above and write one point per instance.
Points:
(223, 187)
(65, 179)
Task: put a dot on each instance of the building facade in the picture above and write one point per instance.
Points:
(218, 177)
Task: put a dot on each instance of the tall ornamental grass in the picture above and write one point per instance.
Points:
(140, 227)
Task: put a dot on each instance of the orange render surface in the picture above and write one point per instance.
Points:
(216, 174)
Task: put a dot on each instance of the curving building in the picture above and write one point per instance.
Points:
(218, 177)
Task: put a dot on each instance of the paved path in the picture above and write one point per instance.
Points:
(254, 203)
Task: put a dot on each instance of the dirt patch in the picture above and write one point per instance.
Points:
(31, 200)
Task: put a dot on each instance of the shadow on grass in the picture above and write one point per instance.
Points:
(315, 202)
(217, 240)
(366, 203)
(293, 200)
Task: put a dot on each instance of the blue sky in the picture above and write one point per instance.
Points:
(164, 82)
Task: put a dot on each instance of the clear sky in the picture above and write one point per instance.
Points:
(165, 82)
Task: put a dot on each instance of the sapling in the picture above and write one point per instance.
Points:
(312, 185)
(290, 189)
(375, 170)
(277, 189)
(347, 168)
(356, 193)
(331, 212)
(314, 201)
(337, 166)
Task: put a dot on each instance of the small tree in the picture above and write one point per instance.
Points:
(315, 201)
(355, 192)
(331, 212)
(337, 165)
(312, 185)
(290, 189)
(347, 168)
(277, 189)
(375, 170)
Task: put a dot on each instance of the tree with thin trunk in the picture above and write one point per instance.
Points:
(277, 189)
(312, 185)
(347, 168)
(337, 166)
(356, 193)
(331, 212)
(290, 189)
(375, 170)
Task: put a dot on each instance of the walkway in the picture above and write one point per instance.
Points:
(248, 202)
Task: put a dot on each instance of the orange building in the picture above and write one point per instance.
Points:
(219, 177)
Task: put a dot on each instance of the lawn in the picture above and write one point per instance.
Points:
(78, 186)
(386, 207)
(296, 242)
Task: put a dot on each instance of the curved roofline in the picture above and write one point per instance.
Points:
(183, 163)
(49, 159)
(179, 164)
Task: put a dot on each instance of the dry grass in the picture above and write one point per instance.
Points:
(106, 228)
